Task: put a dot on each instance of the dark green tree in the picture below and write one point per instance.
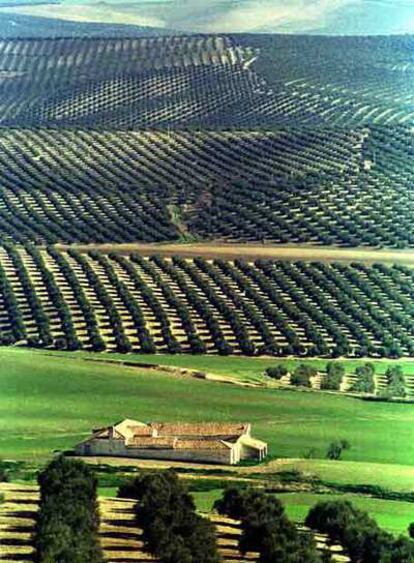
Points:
(396, 381)
(266, 528)
(302, 375)
(276, 372)
(365, 379)
(172, 529)
(332, 379)
(68, 520)
(359, 534)
(336, 449)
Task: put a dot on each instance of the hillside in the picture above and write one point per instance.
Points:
(178, 214)
(334, 80)
(170, 138)
(293, 184)
(206, 81)
(96, 302)
(125, 83)
(18, 26)
(50, 402)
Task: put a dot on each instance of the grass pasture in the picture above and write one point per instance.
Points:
(394, 516)
(49, 404)
(340, 473)
(249, 370)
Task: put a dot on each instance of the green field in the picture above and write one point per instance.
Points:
(237, 367)
(345, 472)
(49, 404)
(394, 516)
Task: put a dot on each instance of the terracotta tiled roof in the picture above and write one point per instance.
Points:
(182, 436)
(207, 429)
(141, 430)
(165, 442)
(201, 445)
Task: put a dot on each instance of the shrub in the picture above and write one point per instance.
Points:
(336, 448)
(3, 472)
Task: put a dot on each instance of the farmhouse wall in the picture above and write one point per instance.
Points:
(117, 448)
(247, 452)
(101, 447)
(202, 456)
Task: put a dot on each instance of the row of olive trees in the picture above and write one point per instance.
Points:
(40, 317)
(70, 340)
(197, 345)
(109, 214)
(332, 378)
(17, 330)
(266, 529)
(131, 304)
(229, 314)
(172, 529)
(122, 343)
(294, 202)
(359, 534)
(200, 306)
(95, 340)
(68, 520)
(275, 308)
(150, 299)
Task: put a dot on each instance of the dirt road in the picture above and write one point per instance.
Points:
(256, 251)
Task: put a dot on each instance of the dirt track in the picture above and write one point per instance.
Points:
(253, 252)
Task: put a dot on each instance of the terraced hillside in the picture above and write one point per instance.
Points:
(120, 538)
(201, 81)
(72, 301)
(326, 186)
